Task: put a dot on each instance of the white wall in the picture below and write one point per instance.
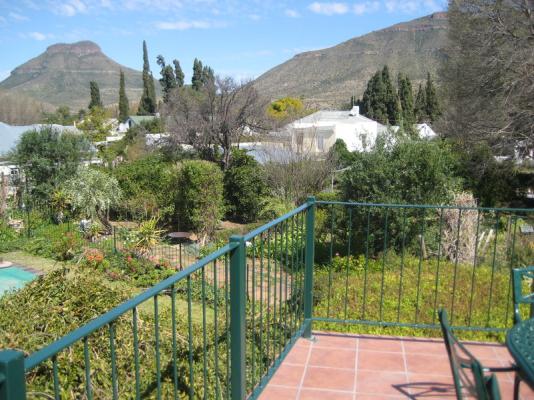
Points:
(358, 137)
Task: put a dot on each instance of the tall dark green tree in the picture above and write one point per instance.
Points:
(406, 101)
(208, 75)
(167, 80)
(380, 101)
(432, 107)
(373, 104)
(391, 99)
(96, 101)
(196, 80)
(178, 73)
(124, 107)
(420, 105)
(147, 104)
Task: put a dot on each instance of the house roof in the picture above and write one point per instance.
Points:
(325, 116)
(137, 119)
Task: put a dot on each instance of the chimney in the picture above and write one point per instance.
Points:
(354, 111)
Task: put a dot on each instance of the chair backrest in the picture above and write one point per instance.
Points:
(518, 275)
(467, 372)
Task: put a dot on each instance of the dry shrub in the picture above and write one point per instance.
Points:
(460, 229)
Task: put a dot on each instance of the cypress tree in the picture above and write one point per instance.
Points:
(377, 97)
(406, 102)
(420, 105)
(147, 104)
(124, 108)
(390, 98)
(178, 73)
(96, 101)
(168, 80)
(432, 107)
(196, 80)
(208, 75)
(152, 93)
(368, 94)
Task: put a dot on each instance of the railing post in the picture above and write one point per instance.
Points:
(114, 239)
(238, 380)
(309, 261)
(12, 378)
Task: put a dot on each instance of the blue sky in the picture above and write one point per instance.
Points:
(238, 38)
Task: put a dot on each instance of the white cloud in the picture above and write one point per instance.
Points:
(413, 6)
(291, 13)
(70, 8)
(254, 17)
(18, 17)
(2, 20)
(185, 25)
(166, 5)
(329, 8)
(39, 36)
(366, 7)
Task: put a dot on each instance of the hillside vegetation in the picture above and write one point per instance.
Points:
(329, 77)
(61, 76)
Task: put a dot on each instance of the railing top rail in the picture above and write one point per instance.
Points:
(348, 203)
(275, 222)
(69, 339)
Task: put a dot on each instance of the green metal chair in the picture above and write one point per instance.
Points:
(519, 297)
(467, 372)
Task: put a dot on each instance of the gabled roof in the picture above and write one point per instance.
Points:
(333, 117)
(137, 119)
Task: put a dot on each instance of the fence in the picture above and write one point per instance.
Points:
(395, 265)
(121, 239)
(217, 329)
(221, 327)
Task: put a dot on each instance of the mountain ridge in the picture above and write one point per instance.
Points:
(61, 75)
(328, 77)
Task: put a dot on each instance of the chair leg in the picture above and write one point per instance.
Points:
(517, 380)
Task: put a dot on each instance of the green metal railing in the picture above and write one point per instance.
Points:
(242, 309)
(395, 265)
(235, 314)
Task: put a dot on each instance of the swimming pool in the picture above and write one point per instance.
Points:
(14, 278)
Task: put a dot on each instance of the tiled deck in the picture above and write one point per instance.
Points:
(350, 367)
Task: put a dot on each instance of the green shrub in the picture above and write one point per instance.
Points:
(10, 239)
(200, 204)
(409, 290)
(149, 188)
(63, 300)
(49, 157)
(274, 207)
(59, 242)
(244, 186)
(411, 172)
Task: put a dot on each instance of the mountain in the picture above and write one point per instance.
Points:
(329, 77)
(61, 76)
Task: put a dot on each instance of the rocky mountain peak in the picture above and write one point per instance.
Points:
(79, 48)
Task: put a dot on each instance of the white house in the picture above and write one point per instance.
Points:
(317, 132)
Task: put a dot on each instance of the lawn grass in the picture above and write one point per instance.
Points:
(25, 259)
(475, 297)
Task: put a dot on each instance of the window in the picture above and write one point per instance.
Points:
(320, 143)
(300, 141)
(363, 139)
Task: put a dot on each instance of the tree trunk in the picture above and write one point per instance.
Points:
(105, 222)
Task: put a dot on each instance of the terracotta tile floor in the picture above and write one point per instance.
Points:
(350, 367)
